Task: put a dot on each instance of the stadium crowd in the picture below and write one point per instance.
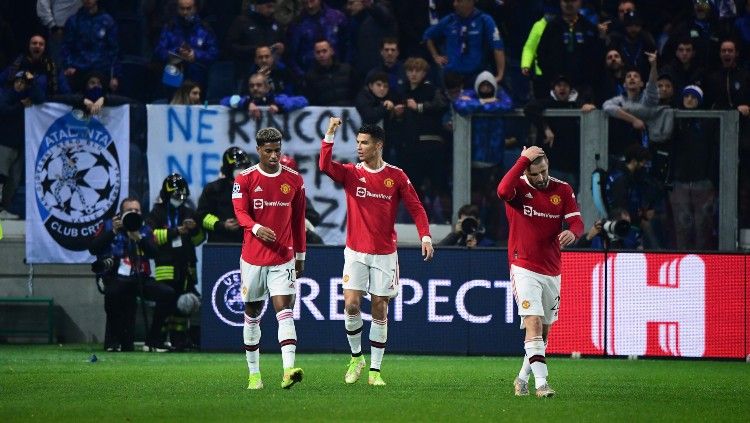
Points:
(409, 65)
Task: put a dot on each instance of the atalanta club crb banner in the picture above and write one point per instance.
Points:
(190, 140)
(76, 174)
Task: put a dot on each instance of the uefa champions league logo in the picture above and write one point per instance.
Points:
(226, 299)
(76, 180)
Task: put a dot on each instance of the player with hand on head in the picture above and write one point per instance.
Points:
(269, 202)
(536, 206)
(373, 189)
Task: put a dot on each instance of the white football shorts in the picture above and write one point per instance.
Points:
(257, 281)
(373, 273)
(535, 294)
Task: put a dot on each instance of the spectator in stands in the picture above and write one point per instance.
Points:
(90, 44)
(729, 89)
(453, 84)
(376, 103)
(633, 43)
(14, 98)
(129, 275)
(560, 136)
(631, 189)
(317, 21)
(390, 64)
(260, 94)
(617, 27)
(425, 106)
(8, 45)
(487, 133)
(37, 62)
(665, 88)
(54, 14)
(369, 22)
(683, 68)
(638, 105)
(252, 30)
(189, 43)
(413, 19)
(703, 30)
(529, 54)
(92, 97)
(596, 238)
(569, 46)
(189, 93)
(468, 34)
(611, 82)
(695, 168)
(280, 77)
(468, 231)
(742, 28)
(287, 11)
(329, 82)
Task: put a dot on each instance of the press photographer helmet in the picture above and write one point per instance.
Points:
(234, 159)
(174, 190)
(615, 229)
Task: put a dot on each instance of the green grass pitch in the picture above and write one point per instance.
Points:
(59, 383)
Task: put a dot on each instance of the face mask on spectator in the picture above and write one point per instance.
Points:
(94, 93)
(176, 202)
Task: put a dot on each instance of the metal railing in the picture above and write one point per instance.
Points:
(594, 153)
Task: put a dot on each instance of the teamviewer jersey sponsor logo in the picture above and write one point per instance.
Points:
(362, 192)
(259, 203)
(529, 211)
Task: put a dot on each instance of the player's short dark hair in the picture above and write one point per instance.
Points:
(374, 131)
(267, 135)
(378, 76)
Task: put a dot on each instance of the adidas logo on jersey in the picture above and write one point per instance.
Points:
(258, 189)
(528, 195)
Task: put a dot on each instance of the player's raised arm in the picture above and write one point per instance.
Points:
(331, 168)
(506, 190)
(299, 240)
(418, 214)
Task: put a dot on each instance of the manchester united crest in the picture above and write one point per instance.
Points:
(555, 199)
(285, 188)
(525, 304)
(388, 183)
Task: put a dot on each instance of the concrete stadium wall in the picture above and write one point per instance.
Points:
(79, 307)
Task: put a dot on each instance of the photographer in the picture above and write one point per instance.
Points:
(123, 248)
(614, 233)
(468, 231)
(176, 234)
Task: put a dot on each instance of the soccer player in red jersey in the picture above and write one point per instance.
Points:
(269, 202)
(536, 206)
(374, 189)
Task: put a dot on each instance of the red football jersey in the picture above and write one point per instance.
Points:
(276, 201)
(535, 218)
(372, 198)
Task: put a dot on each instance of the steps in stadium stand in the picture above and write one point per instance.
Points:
(13, 229)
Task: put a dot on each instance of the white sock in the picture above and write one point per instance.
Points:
(525, 369)
(251, 336)
(535, 349)
(353, 326)
(378, 336)
(287, 337)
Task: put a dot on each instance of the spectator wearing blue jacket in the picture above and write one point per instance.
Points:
(188, 40)
(36, 61)
(468, 34)
(260, 94)
(90, 44)
(317, 21)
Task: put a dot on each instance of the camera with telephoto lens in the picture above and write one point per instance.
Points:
(469, 225)
(131, 221)
(615, 229)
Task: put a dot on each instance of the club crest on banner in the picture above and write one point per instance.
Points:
(77, 179)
